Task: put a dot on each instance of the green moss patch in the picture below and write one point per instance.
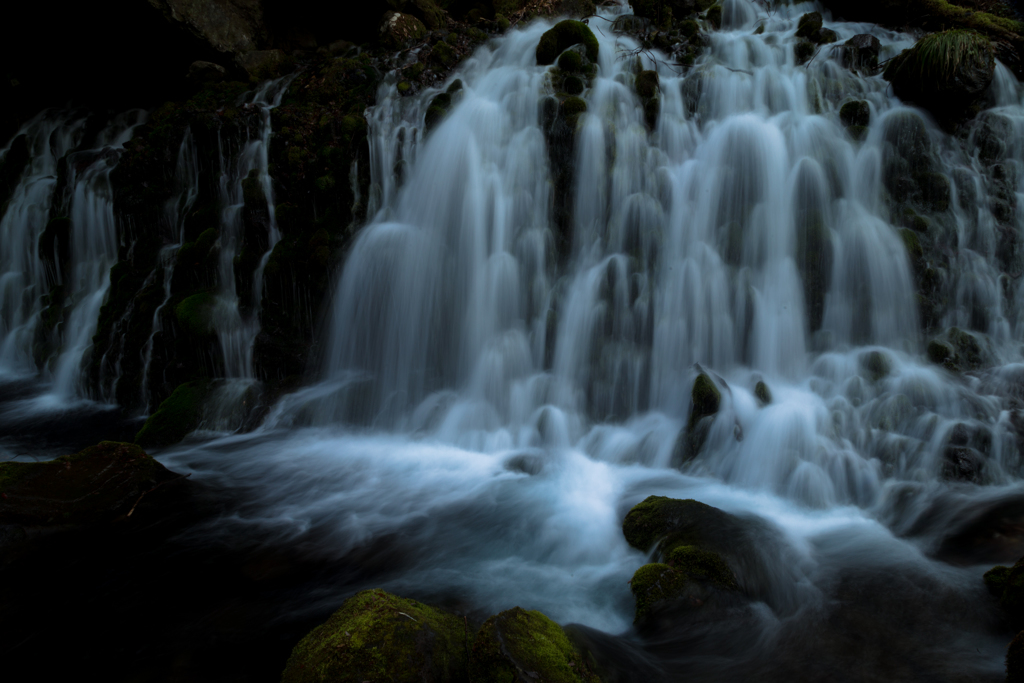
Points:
(195, 314)
(705, 399)
(176, 417)
(762, 393)
(1007, 584)
(564, 35)
(521, 645)
(376, 636)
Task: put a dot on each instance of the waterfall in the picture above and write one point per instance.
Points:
(61, 248)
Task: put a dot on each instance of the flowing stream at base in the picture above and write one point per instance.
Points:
(495, 395)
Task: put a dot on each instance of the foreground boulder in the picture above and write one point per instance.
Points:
(99, 484)
(525, 646)
(377, 636)
(946, 73)
(1007, 584)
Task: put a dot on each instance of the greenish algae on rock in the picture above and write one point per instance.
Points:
(195, 314)
(376, 636)
(762, 393)
(561, 37)
(667, 519)
(93, 485)
(706, 398)
(654, 584)
(176, 417)
(520, 646)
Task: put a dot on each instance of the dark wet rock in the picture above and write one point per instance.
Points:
(809, 25)
(379, 636)
(1007, 584)
(206, 72)
(630, 24)
(876, 365)
(176, 417)
(521, 645)
(98, 484)
(427, 11)
(564, 35)
(990, 134)
(947, 73)
(397, 30)
(705, 399)
(265, 64)
(814, 259)
(803, 51)
(961, 463)
(231, 26)
(648, 89)
(762, 393)
(714, 16)
(855, 113)
(959, 351)
(859, 53)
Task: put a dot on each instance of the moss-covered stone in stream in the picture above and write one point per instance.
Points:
(195, 314)
(564, 35)
(656, 517)
(762, 393)
(376, 636)
(655, 584)
(705, 399)
(714, 16)
(176, 417)
(93, 485)
(520, 646)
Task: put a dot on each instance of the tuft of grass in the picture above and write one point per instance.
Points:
(939, 56)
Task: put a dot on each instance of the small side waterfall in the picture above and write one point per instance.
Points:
(56, 272)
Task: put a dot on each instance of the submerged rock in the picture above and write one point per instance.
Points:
(947, 73)
(762, 393)
(523, 646)
(98, 484)
(381, 637)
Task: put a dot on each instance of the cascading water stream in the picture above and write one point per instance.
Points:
(236, 328)
(186, 177)
(511, 355)
(74, 255)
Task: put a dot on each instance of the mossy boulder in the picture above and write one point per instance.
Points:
(705, 399)
(855, 113)
(564, 35)
(1007, 584)
(946, 73)
(176, 417)
(376, 636)
(648, 88)
(762, 393)
(809, 25)
(960, 351)
(691, 540)
(876, 365)
(521, 646)
(398, 30)
(98, 484)
(670, 522)
(803, 50)
(195, 314)
(714, 16)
